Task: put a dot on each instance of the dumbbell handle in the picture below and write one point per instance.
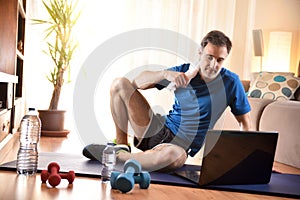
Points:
(137, 178)
(130, 170)
(54, 170)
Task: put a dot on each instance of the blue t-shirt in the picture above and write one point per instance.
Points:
(198, 106)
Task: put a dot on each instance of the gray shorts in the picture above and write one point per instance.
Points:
(157, 133)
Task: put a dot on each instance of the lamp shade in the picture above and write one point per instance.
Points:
(258, 43)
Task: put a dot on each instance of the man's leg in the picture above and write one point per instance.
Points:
(129, 105)
(164, 157)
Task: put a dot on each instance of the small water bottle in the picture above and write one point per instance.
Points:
(108, 161)
(30, 131)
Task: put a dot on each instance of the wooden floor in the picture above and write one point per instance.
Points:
(20, 187)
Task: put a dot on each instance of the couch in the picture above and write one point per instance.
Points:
(273, 115)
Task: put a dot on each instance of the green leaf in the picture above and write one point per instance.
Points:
(59, 38)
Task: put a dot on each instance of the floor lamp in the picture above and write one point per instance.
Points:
(258, 44)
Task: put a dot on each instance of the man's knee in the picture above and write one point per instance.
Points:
(172, 157)
(120, 84)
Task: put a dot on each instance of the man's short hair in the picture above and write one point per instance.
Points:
(217, 38)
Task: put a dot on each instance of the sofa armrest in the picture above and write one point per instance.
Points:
(228, 122)
(284, 117)
(246, 84)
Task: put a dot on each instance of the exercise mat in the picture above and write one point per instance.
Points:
(287, 185)
(79, 164)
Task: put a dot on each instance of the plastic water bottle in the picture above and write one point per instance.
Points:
(108, 161)
(27, 159)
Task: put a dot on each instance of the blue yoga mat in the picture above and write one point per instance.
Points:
(287, 185)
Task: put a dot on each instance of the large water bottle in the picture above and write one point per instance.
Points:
(27, 159)
(108, 161)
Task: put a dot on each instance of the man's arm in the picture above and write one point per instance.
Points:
(244, 121)
(148, 79)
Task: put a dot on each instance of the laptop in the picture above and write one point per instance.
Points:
(235, 158)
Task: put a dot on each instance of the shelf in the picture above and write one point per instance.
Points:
(8, 78)
(12, 39)
(21, 9)
(3, 110)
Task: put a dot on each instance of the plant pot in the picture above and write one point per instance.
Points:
(52, 120)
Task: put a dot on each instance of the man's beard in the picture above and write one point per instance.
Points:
(209, 73)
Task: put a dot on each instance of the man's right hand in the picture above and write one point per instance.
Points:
(180, 79)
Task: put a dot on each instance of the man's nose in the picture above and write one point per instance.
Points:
(213, 63)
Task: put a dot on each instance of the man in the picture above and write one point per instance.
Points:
(166, 141)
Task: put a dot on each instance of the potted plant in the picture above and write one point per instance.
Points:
(61, 46)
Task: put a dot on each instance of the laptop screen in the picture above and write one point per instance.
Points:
(236, 157)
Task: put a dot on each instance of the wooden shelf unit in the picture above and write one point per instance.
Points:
(12, 37)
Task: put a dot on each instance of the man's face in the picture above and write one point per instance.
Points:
(211, 61)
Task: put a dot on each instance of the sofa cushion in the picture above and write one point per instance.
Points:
(275, 86)
(228, 122)
(284, 117)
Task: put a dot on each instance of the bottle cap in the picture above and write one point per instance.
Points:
(110, 143)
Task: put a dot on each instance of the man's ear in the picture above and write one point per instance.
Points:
(200, 51)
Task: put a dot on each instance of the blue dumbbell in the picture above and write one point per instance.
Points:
(132, 174)
(113, 177)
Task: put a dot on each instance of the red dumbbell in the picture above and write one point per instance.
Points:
(54, 177)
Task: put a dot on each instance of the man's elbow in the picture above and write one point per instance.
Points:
(244, 122)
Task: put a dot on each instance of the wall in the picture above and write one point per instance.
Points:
(279, 15)
(268, 15)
